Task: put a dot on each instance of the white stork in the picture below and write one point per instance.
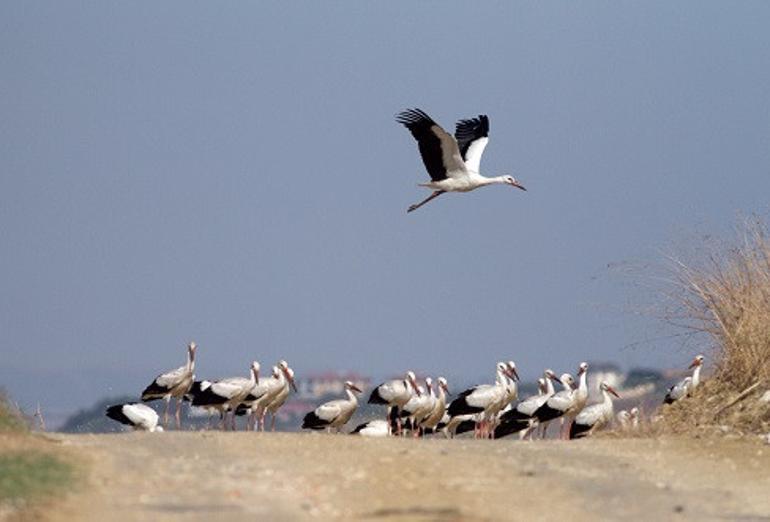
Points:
(249, 406)
(439, 406)
(373, 428)
(395, 393)
(686, 386)
(581, 399)
(451, 161)
(419, 406)
(175, 383)
(333, 414)
(595, 416)
(135, 414)
(488, 399)
(520, 417)
(276, 386)
(280, 398)
(226, 394)
(558, 404)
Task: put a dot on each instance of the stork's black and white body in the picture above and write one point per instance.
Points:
(451, 161)
(251, 402)
(687, 385)
(595, 416)
(175, 383)
(485, 399)
(225, 395)
(283, 377)
(135, 414)
(395, 394)
(558, 404)
(419, 406)
(439, 406)
(373, 428)
(333, 414)
(581, 399)
(519, 419)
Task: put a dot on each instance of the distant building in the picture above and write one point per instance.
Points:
(320, 385)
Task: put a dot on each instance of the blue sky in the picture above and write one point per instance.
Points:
(232, 173)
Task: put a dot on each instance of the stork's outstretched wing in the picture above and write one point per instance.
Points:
(472, 137)
(438, 148)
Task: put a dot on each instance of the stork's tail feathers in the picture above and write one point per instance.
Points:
(313, 422)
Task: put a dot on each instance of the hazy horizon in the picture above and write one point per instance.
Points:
(234, 175)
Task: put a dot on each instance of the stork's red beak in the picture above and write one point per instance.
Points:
(356, 388)
(694, 363)
(515, 374)
(612, 391)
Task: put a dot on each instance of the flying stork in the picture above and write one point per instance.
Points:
(451, 161)
(175, 383)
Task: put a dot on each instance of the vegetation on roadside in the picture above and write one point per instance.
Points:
(28, 475)
(725, 298)
(30, 471)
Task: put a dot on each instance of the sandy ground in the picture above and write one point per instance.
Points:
(309, 476)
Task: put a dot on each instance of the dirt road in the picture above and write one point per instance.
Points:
(244, 476)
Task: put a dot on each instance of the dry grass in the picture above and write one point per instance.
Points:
(727, 298)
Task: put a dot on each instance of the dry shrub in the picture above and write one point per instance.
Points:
(727, 298)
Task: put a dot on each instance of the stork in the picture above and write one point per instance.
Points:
(558, 404)
(581, 398)
(249, 406)
(135, 414)
(439, 406)
(520, 418)
(395, 394)
(333, 414)
(595, 416)
(280, 398)
(686, 386)
(226, 394)
(284, 378)
(175, 383)
(451, 161)
(484, 398)
(419, 406)
(373, 428)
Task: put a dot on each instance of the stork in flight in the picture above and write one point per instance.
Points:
(451, 161)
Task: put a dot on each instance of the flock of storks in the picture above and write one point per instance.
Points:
(489, 410)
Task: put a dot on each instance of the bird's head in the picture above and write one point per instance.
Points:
(606, 387)
(698, 361)
(428, 383)
(541, 385)
(510, 180)
(443, 384)
(289, 373)
(582, 368)
(512, 370)
(567, 380)
(412, 381)
(351, 386)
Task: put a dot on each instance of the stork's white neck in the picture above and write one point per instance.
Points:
(549, 386)
(190, 360)
(583, 386)
(351, 396)
(695, 376)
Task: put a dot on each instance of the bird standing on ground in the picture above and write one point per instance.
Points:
(395, 393)
(333, 414)
(175, 383)
(451, 161)
(226, 394)
(439, 406)
(281, 396)
(686, 386)
(595, 416)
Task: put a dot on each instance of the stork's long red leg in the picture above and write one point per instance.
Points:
(435, 194)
